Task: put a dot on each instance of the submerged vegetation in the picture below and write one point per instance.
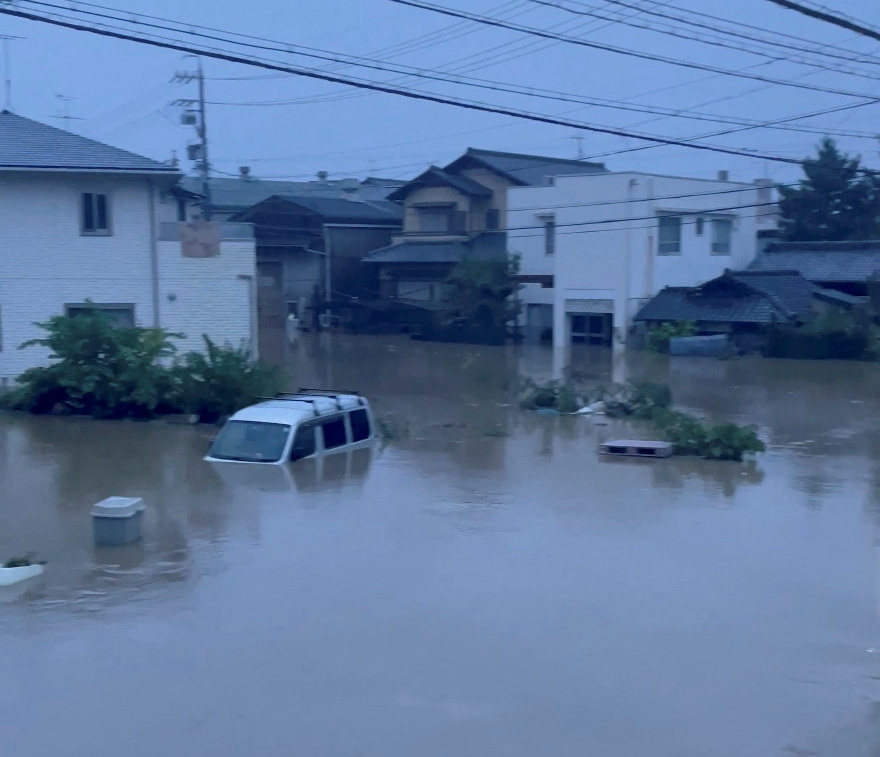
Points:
(652, 403)
(106, 371)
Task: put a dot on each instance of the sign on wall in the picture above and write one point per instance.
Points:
(200, 239)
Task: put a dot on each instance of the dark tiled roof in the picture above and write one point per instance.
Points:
(26, 144)
(341, 210)
(822, 261)
(238, 194)
(419, 252)
(744, 297)
(435, 176)
(531, 170)
(486, 246)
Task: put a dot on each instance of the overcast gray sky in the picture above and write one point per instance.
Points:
(121, 90)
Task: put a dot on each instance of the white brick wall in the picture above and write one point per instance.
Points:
(46, 263)
(205, 296)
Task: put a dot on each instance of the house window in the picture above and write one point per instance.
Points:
(549, 224)
(436, 219)
(492, 219)
(415, 290)
(669, 235)
(95, 214)
(699, 225)
(122, 315)
(721, 234)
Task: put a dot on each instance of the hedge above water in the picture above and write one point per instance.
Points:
(651, 402)
(105, 371)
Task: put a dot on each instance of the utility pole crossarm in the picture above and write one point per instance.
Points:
(829, 18)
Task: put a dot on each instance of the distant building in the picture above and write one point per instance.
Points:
(742, 304)
(844, 266)
(81, 221)
(310, 251)
(594, 247)
(451, 213)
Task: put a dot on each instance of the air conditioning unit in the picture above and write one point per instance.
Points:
(194, 151)
(189, 118)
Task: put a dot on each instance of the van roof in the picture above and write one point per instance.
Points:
(297, 407)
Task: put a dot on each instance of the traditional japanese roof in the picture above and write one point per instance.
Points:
(31, 145)
(822, 262)
(486, 246)
(435, 177)
(525, 170)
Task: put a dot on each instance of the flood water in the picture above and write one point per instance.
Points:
(483, 585)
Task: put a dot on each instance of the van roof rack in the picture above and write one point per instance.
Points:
(289, 397)
(328, 392)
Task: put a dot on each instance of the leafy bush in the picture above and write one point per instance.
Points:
(686, 433)
(641, 400)
(552, 395)
(657, 339)
(220, 381)
(106, 371)
(727, 441)
(99, 369)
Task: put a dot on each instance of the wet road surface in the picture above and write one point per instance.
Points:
(483, 585)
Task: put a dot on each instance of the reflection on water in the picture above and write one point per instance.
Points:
(485, 584)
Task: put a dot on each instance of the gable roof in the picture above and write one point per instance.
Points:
(735, 297)
(331, 209)
(31, 145)
(525, 170)
(486, 246)
(823, 262)
(435, 177)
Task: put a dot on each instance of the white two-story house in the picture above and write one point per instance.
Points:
(81, 221)
(597, 246)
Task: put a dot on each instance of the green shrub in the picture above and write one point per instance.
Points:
(639, 400)
(727, 441)
(220, 381)
(552, 395)
(106, 371)
(686, 433)
(99, 369)
(657, 339)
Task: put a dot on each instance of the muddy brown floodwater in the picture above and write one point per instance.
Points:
(484, 585)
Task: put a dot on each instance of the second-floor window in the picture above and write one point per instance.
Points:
(437, 219)
(549, 224)
(669, 235)
(95, 214)
(722, 229)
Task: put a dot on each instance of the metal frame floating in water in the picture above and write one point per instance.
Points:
(636, 448)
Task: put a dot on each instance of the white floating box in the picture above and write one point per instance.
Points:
(117, 521)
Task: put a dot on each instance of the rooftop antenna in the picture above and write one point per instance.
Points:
(64, 108)
(579, 139)
(7, 70)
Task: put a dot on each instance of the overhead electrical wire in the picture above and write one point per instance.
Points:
(378, 87)
(499, 86)
(849, 58)
(443, 10)
(824, 14)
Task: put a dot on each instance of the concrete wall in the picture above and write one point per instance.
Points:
(617, 264)
(46, 264)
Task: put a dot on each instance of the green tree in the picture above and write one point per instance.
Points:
(836, 200)
(481, 300)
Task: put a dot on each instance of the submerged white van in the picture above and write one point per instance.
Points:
(294, 426)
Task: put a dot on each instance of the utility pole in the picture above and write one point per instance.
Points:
(579, 139)
(198, 151)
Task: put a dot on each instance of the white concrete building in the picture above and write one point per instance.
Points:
(595, 247)
(81, 221)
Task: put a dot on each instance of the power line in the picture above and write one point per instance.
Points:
(377, 87)
(442, 10)
(846, 56)
(772, 55)
(828, 17)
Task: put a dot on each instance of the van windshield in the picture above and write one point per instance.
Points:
(250, 442)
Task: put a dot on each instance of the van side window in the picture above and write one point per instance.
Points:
(334, 433)
(360, 425)
(303, 442)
